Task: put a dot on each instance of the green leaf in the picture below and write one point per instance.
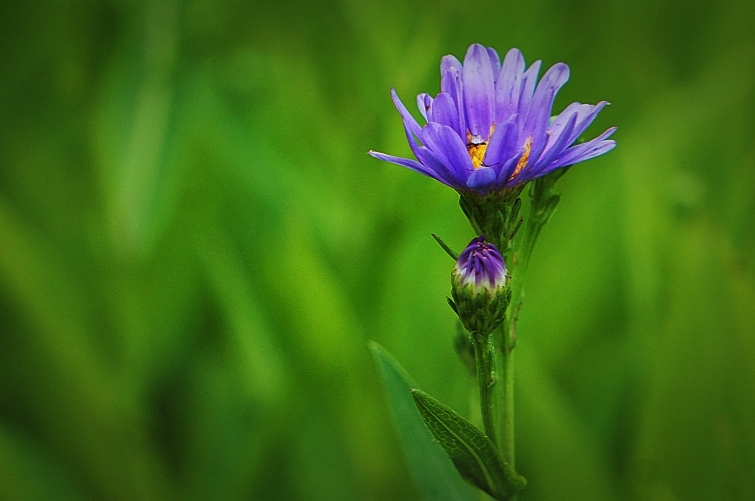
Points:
(473, 454)
(445, 247)
(433, 472)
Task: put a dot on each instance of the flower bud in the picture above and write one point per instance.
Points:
(478, 287)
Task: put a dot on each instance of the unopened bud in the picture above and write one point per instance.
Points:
(478, 287)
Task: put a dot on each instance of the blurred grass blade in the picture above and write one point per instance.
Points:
(433, 472)
(28, 471)
(472, 452)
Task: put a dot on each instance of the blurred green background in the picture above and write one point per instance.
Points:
(195, 248)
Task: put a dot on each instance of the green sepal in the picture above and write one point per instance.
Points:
(495, 215)
(449, 250)
(472, 452)
(452, 305)
(517, 223)
(479, 313)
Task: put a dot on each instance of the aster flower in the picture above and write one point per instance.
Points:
(490, 127)
(478, 287)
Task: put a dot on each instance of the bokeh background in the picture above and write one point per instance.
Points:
(195, 249)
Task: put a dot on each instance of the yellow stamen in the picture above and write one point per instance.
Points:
(523, 160)
(477, 153)
(476, 148)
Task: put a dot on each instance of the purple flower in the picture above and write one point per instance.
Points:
(479, 269)
(490, 127)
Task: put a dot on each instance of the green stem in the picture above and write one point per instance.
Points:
(506, 341)
(521, 262)
(485, 364)
(506, 382)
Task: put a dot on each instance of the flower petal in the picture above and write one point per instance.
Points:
(584, 151)
(478, 90)
(424, 101)
(507, 169)
(448, 147)
(482, 179)
(450, 83)
(503, 143)
(432, 163)
(508, 86)
(495, 62)
(449, 61)
(558, 143)
(540, 108)
(529, 78)
(411, 138)
(404, 162)
(443, 111)
(557, 124)
(409, 120)
(587, 114)
(439, 169)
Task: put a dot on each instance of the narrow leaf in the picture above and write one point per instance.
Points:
(449, 251)
(473, 454)
(433, 472)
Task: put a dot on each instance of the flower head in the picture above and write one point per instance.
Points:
(478, 287)
(490, 127)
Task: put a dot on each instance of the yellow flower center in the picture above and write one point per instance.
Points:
(524, 158)
(476, 147)
(477, 153)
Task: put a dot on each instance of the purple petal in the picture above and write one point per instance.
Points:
(558, 123)
(478, 90)
(434, 166)
(448, 147)
(409, 120)
(481, 179)
(443, 111)
(529, 78)
(495, 62)
(507, 169)
(508, 86)
(456, 151)
(584, 151)
(449, 61)
(404, 162)
(450, 83)
(557, 145)
(412, 140)
(503, 143)
(438, 168)
(587, 114)
(540, 108)
(424, 101)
